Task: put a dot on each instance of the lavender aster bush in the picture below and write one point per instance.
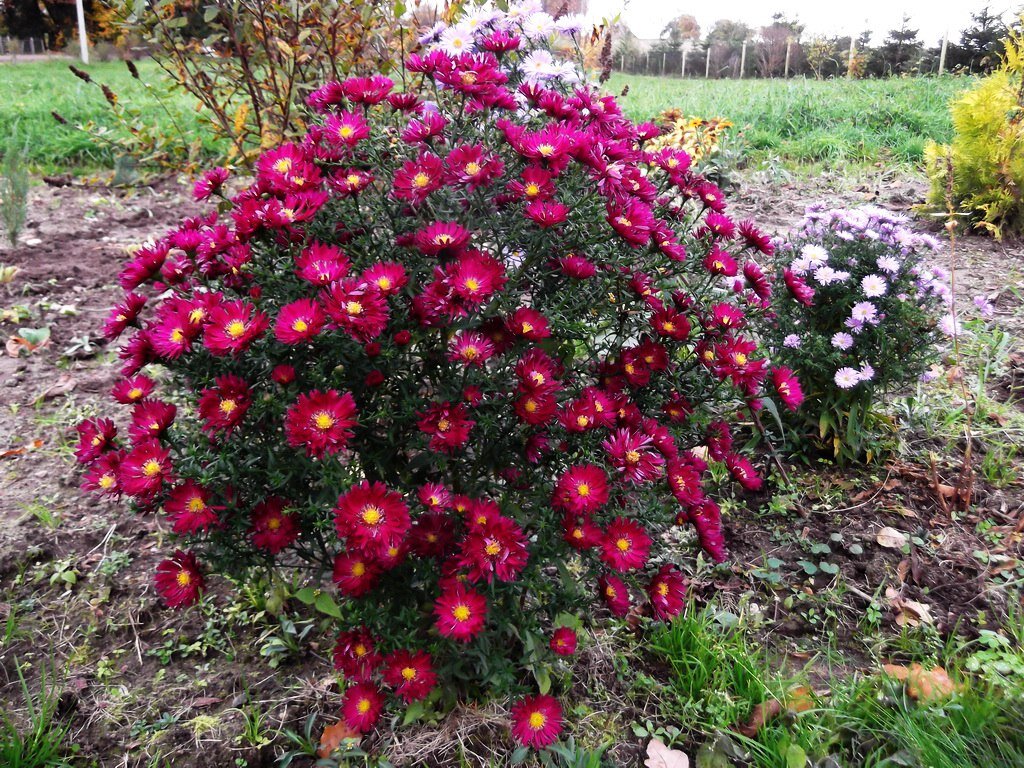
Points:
(868, 320)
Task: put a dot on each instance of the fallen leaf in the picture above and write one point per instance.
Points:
(890, 538)
(61, 386)
(800, 698)
(206, 701)
(929, 684)
(761, 714)
(910, 613)
(333, 736)
(946, 491)
(660, 756)
(897, 671)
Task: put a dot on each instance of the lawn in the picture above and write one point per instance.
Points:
(809, 121)
(790, 121)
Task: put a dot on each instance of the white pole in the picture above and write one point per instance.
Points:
(942, 56)
(682, 72)
(789, 47)
(853, 50)
(743, 59)
(83, 41)
(707, 64)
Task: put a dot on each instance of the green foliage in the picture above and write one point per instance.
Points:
(34, 738)
(986, 156)
(13, 190)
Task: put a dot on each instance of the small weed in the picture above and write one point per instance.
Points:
(35, 740)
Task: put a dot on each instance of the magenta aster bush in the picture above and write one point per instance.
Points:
(865, 316)
(461, 359)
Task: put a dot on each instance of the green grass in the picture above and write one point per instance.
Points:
(796, 121)
(809, 121)
(38, 88)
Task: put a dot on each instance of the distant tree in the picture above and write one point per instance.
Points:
(822, 55)
(773, 42)
(24, 18)
(899, 52)
(726, 40)
(677, 33)
(980, 46)
(561, 7)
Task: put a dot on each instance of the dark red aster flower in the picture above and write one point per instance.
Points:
(546, 213)
(448, 426)
(370, 516)
(720, 225)
(537, 372)
(529, 324)
(718, 262)
(151, 418)
(801, 291)
(743, 471)
(563, 641)
(537, 721)
(388, 276)
(355, 655)
(410, 674)
(788, 387)
(420, 130)
(354, 573)
(223, 406)
(577, 267)
(95, 437)
(580, 532)
(132, 389)
(674, 325)
(361, 707)
(367, 90)
(416, 179)
(233, 326)
(472, 167)
(631, 453)
(615, 594)
(144, 265)
(755, 238)
(178, 579)
(349, 182)
(431, 534)
(321, 264)
(633, 220)
(189, 509)
(755, 277)
(321, 422)
(273, 527)
(625, 545)
(345, 129)
(711, 196)
(534, 184)
(500, 41)
(470, 348)
(496, 549)
(434, 496)
(299, 322)
(286, 169)
(123, 315)
(474, 277)
(144, 470)
(667, 592)
(442, 238)
(684, 482)
(707, 519)
(581, 489)
(173, 332)
(103, 475)
(461, 612)
(210, 183)
(357, 308)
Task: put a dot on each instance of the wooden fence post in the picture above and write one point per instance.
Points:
(743, 59)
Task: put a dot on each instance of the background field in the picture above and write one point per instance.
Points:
(789, 121)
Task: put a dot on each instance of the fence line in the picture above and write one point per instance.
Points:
(13, 46)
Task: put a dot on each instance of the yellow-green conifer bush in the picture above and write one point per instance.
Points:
(987, 152)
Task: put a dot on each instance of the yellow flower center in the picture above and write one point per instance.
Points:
(134, 394)
(196, 316)
(151, 468)
(420, 180)
(663, 589)
(493, 548)
(526, 328)
(300, 326)
(472, 284)
(583, 489)
(363, 706)
(624, 221)
(461, 612)
(345, 131)
(384, 283)
(545, 150)
(632, 457)
(469, 78)
(537, 720)
(106, 482)
(283, 165)
(443, 425)
(537, 378)
(360, 650)
(235, 328)
(177, 335)
(532, 190)
(740, 358)
(623, 544)
(582, 421)
(353, 180)
(195, 504)
(274, 523)
(358, 568)
(323, 420)
(669, 326)
(470, 352)
(372, 515)
(354, 308)
(472, 169)
(228, 406)
(409, 673)
(184, 578)
(530, 406)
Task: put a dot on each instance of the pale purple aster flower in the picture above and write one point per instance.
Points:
(825, 275)
(866, 372)
(874, 286)
(842, 340)
(816, 255)
(792, 341)
(846, 378)
(864, 311)
(538, 26)
(888, 264)
(984, 306)
(950, 326)
(456, 40)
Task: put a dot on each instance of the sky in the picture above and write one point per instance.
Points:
(646, 18)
